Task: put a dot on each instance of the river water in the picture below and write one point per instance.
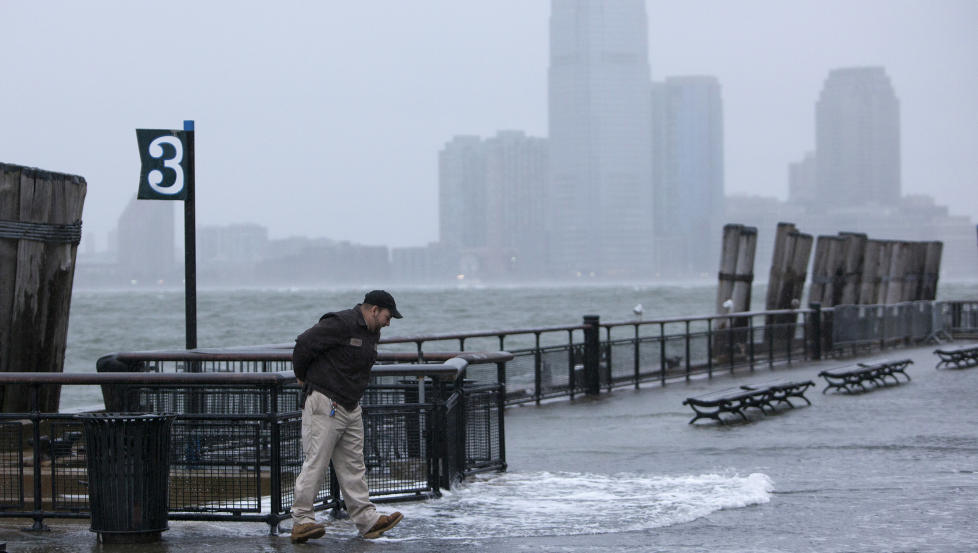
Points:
(895, 469)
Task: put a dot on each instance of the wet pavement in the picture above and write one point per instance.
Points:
(895, 469)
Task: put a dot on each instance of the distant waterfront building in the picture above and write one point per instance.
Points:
(323, 262)
(492, 205)
(431, 264)
(462, 193)
(516, 181)
(857, 139)
(802, 186)
(237, 243)
(146, 244)
(230, 253)
(688, 154)
(600, 186)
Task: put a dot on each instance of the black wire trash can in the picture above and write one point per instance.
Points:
(128, 475)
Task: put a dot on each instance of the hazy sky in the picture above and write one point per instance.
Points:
(326, 118)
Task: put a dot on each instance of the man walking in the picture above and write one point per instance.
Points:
(332, 362)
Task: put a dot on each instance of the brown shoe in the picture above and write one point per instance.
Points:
(384, 523)
(310, 530)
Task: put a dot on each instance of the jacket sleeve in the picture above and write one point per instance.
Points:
(330, 331)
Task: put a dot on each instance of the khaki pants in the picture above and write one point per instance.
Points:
(339, 438)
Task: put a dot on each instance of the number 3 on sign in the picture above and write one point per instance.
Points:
(155, 177)
(164, 171)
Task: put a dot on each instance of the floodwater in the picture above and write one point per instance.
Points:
(895, 469)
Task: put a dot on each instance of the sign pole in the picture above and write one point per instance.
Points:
(190, 241)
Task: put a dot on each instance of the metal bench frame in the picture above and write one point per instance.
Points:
(852, 379)
(762, 396)
(958, 358)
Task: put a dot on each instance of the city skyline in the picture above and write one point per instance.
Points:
(302, 110)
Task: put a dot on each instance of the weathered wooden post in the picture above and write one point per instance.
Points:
(917, 255)
(870, 279)
(799, 264)
(827, 271)
(852, 263)
(728, 265)
(779, 265)
(40, 227)
(835, 265)
(883, 265)
(789, 266)
(734, 288)
(932, 270)
(897, 272)
(744, 273)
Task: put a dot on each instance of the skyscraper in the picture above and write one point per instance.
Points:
(857, 139)
(516, 179)
(688, 155)
(600, 189)
(492, 196)
(462, 193)
(146, 244)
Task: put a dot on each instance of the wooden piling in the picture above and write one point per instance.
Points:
(736, 277)
(819, 276)
(728, 265)
(854, 250)
(828, 271)
(883, 267)
(780, 261)
(898, 270)
(786, 283)
(869, 281)
(40, 227)
(744, 273)
(932, 270)
(915, 271)
(799, 265)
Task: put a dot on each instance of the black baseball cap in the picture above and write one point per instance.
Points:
(381, 298)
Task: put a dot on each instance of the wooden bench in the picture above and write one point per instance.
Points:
(761, 396)
(853, 378)
(958, 358)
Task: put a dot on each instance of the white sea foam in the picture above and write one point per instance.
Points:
(544, 503)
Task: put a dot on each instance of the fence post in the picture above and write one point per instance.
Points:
(501, 409)
(816, 330)
(592, 354)
(537, 368)
(275, 452)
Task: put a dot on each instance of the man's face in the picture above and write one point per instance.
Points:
(379, 318)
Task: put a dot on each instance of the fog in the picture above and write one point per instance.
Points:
(325, 118)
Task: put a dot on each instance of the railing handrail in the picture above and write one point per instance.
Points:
(734, 315)
(478, 334)
(249, 353)
(449, 370)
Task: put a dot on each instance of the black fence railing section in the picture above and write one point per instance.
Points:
(235, 444)
(561, 361)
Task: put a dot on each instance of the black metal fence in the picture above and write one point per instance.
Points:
(564, 361)
(559, 361)
(235, 444)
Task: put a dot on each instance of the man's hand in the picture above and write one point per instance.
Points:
(300, 382)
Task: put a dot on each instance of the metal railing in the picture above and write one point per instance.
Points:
(558, 361)
(235, 443)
